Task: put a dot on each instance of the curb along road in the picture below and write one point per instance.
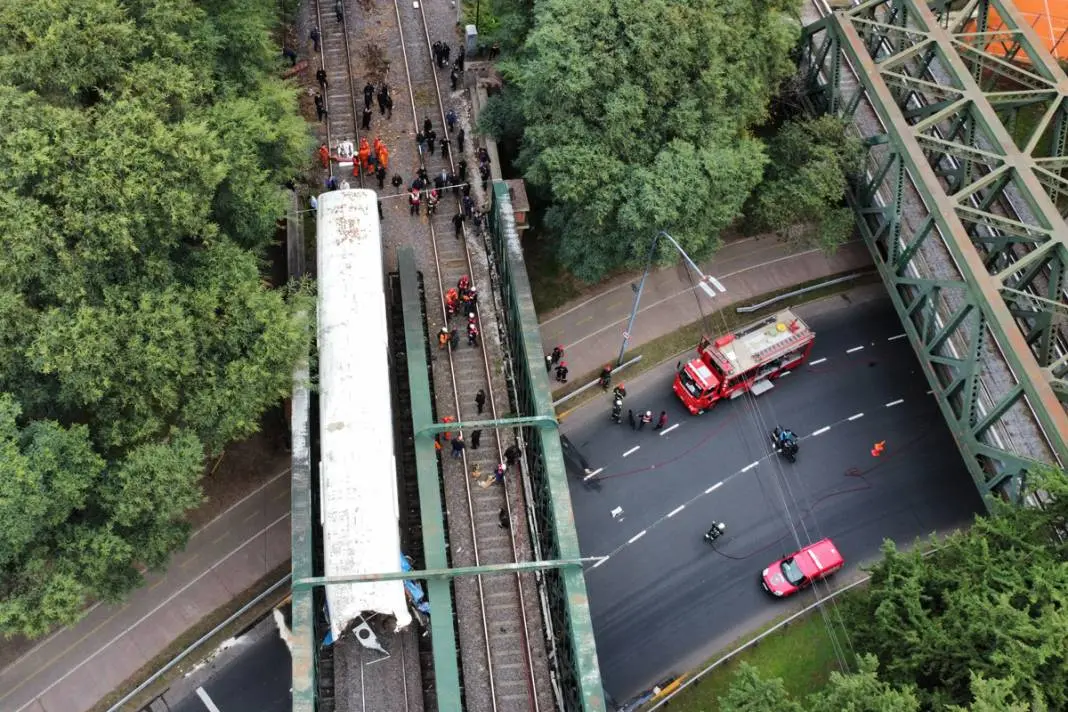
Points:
(592, 330)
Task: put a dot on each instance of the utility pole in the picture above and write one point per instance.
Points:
(703, 284)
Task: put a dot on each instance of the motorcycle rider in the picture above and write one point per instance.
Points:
(785, 438)
(620, 391)
(617, 409)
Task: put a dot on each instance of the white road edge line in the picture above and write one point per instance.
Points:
(821, 431)
(637, 536)
(603, 559)
(593, 474)
(665, 431)
(676, 510)
(207, 700)
(750, 466)
(713, 488)
(634, 449)
(855, 348)
(858, 416)
(819, 360)
(899, 401)
(895, 338)
(145, 617)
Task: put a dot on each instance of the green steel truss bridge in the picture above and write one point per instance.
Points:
(962, 205)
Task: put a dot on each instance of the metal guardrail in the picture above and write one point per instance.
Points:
(591, 384)
(796, 292)
(204, 638)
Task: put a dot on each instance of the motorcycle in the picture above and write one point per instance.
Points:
(617, 410)
(785, 446)
(715, 532)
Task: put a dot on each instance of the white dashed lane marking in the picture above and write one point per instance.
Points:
(899, 401)
(676, 510)
(817, 361)
(855, 348)
(665, 431)
(750, 466)
(593, 474)
(713, 488)
(821, 431)
(895, 338)
(633, 450)
(785, 373)
(858, 416)
(637, 536)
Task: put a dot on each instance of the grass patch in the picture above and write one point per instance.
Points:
(801, 654)
(205, 624)
(685, 339)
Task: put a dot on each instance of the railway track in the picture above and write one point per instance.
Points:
(499, 671)
(340, 95)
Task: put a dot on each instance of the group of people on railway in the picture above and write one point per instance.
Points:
(463, 298)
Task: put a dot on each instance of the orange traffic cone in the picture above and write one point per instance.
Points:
(878, 448)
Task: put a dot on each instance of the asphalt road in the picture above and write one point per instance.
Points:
(665, 599)
(252, 675)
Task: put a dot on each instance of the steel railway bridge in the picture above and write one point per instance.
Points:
(962, 205)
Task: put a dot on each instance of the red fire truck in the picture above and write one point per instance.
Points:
(746, 360)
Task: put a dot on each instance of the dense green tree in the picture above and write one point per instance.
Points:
(144, 145)
(862, 691)
(638, 115)
(809, 163)
(990, 602)
(750, 692)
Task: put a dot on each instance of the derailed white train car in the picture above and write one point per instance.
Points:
(357, 468)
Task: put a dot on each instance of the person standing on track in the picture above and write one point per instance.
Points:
(383, 93)
(458, 446)
(315, 38)
(324, 155)
(320, 108)
(339, 10)
(380, 174)
(450, 120)
(366, 123)
(480, 400)
(431, 137)
(413, 202)
(320, 76)
(427, 126)
(457, 224)
(368, 94)
(476, 437)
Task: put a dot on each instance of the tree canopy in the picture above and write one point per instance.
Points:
(810, 161)
(991, 602)
(144, 146)
(638, 116)
(861, 691)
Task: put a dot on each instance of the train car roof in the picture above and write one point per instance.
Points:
(357, 468)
